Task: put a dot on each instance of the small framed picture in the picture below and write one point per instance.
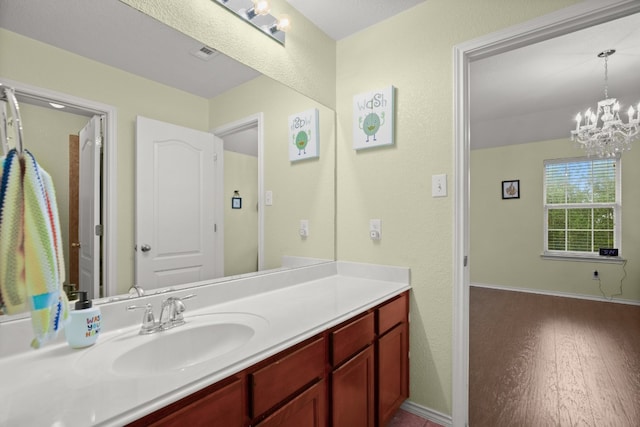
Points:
(236, 203)
(511, 189)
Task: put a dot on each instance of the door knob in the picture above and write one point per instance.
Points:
(75, 245)
(145, 248)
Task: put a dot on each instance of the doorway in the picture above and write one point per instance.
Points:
(29, 94)
(243, 140)
(562, 22)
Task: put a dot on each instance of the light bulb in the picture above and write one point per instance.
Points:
(284, 24)
(261, 7)
(631, 111)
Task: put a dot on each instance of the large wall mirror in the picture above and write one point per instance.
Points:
(109, 54)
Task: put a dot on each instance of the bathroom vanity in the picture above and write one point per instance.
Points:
(354, 374)
(315, 346)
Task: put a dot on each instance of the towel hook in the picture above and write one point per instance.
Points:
(4, 139)
(17, 120)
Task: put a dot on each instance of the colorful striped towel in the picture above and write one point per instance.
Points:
(31, 257)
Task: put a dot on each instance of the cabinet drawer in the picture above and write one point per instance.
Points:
(224, 407)
(352, 338)
(392, 313)
(279, 380)
(307, 409)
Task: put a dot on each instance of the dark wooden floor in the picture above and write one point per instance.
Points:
(539, 360)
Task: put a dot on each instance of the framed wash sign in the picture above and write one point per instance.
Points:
(373, 118)
(304, 135)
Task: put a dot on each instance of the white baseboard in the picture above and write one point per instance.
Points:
(429, 414)
(556, 294)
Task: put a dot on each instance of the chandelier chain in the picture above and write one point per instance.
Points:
(606, 76)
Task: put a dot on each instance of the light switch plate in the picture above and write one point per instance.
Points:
(268, 198)
(439, 185)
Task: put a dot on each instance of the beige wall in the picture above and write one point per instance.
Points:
(46, 135)
(55, 69)
(240, 225)
(302, 189)
(507, 235)
(413, 51)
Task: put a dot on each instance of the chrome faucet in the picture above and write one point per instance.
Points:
(171, 312)
(170, 315)
(149, 325)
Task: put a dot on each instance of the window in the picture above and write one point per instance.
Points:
(581, 206)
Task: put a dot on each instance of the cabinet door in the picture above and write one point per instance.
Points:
(393, 380)
(308, 410)
(352, 392)
(222, 408)
(279, 380)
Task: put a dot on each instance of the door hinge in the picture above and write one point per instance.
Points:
(99, 230)
(215, 228)
(465, 260)
(215, 157)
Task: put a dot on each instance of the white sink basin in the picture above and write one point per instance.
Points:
(203, 338)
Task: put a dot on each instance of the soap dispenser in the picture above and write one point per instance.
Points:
(84, 327)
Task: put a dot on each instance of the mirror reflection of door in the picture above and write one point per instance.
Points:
(89, 228)
(84, 209)
(175, 204)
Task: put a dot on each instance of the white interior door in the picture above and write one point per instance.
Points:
(175, 204)
(89, 232)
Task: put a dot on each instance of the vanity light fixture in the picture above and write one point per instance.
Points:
(602, 133)
(257, 14)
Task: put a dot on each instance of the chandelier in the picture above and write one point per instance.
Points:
(601, 132)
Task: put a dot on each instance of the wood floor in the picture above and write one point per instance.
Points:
(539, 360)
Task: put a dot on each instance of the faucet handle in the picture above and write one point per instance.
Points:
(180, 308)
(148, 320)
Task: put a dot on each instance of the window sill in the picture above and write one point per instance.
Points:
(584, 258)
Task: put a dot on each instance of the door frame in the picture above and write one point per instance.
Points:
(561, 22)
(109, 168)
(254, 120)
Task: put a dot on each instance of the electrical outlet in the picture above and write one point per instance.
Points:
(375, 229)
(304, 228)
(596, 275)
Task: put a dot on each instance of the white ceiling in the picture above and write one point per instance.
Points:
(528, 94)
(341, 18)
(534, 93)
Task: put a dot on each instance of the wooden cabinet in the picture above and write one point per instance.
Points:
(349, 339)
(215, 406)
(352, 393)
(392, 358)
(353, 375)
(286, 375)
(308, 409)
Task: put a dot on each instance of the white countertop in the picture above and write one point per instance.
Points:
(53, 387)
